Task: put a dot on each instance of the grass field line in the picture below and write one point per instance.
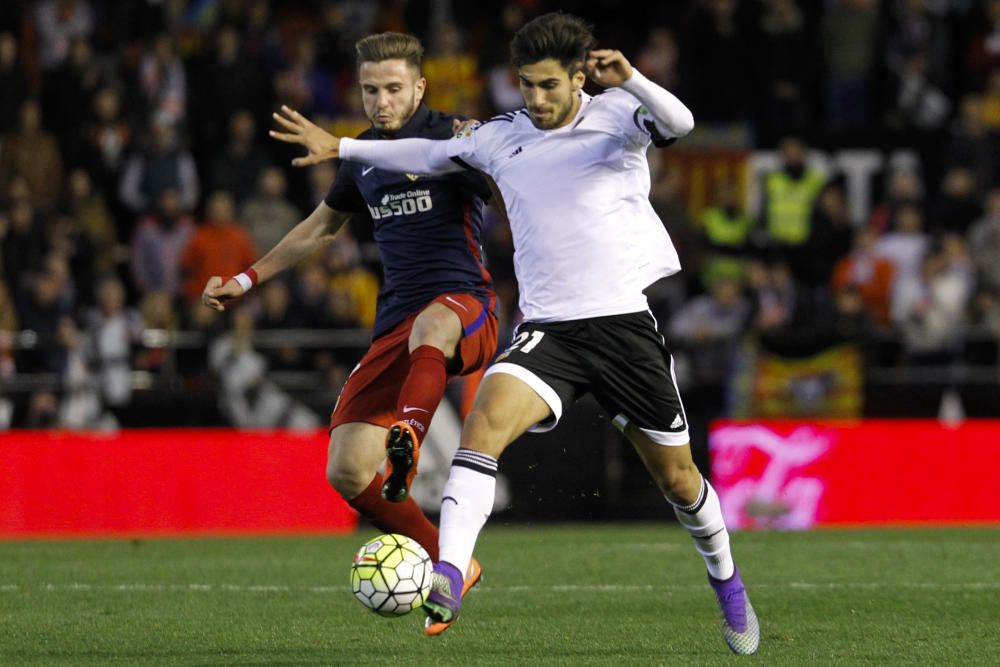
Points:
(74, 587)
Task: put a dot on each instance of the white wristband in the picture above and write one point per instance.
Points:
(244, 280)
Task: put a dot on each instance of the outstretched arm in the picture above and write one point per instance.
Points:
(415, 156)
(610, 68)
(303, 240)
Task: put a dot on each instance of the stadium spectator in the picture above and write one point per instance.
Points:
(320, 176)
(787, 59)
(866, 273)
(971, 144)
(111, 331)
(13, 82)
(66, 98)
(958, 203)
(58, 23)
(163, 83)
(984, 321)
(983, 54)
(929, 311)
(268, 215)
(202, 258)
(93, 215)
(157, 245)
(276, 310)
(353, 288)
(310, 295)
(71, 243)
(726, 234)
(830, 231)
(849, 32)
(159, 318)
(32, 153)
(501, 80)
(22, 244)
(712, 323)
(304, 84)
(918, 100)
(984, 242)
(715, 65)
(453, 72)
(852, 318)
(107, 140)
(237, 168)
(45, 310)
(163, 164)
(659, 57)
(904, 246)
(789, 196)
(228, 81)
(904, 187)
(248, 398)
(778, 300)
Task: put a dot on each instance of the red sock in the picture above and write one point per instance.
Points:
(405, 518)
(423, 388)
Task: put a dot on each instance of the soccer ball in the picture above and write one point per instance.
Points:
(391, 575)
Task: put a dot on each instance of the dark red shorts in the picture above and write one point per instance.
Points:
(372, 390)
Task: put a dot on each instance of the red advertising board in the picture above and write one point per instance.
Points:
(796, 475)
(167, 482)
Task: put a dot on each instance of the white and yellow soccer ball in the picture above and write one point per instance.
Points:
(391, 575)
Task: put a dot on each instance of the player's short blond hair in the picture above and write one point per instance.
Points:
(390, 46)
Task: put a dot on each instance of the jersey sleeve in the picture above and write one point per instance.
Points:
(344, 194)
(472, 147)
(646, 129)
(634, 120)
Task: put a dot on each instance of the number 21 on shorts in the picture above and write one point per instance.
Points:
(526, 341)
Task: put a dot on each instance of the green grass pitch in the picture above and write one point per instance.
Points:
(551, 595)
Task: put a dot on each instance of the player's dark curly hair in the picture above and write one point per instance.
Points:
(556, 35)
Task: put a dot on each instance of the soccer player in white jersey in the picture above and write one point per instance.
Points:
(573, 173)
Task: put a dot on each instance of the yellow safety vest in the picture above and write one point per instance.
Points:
(724, 230)
(789, 205)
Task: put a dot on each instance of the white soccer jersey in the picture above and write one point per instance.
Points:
(586, 239)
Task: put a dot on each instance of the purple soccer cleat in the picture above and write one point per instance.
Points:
(739, 622)
(444, 602)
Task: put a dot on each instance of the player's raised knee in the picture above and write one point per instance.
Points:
(347, 477)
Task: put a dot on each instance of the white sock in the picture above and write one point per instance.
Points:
(703, 519)
(466, 504)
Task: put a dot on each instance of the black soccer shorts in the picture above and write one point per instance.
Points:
(620, 359)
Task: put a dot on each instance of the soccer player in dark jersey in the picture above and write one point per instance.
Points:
(435, 315)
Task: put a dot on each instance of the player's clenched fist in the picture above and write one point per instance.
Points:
(608, 67)
(216, 292)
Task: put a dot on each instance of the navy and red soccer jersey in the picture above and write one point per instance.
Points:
(428, 228)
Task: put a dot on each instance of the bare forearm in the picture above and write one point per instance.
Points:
(302, 241)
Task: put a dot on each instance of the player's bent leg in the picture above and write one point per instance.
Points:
(355, 452)
(505, 407)
(439, 326)
(697, 508)
(433, 339)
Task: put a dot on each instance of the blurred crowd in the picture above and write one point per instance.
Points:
(134, 164)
